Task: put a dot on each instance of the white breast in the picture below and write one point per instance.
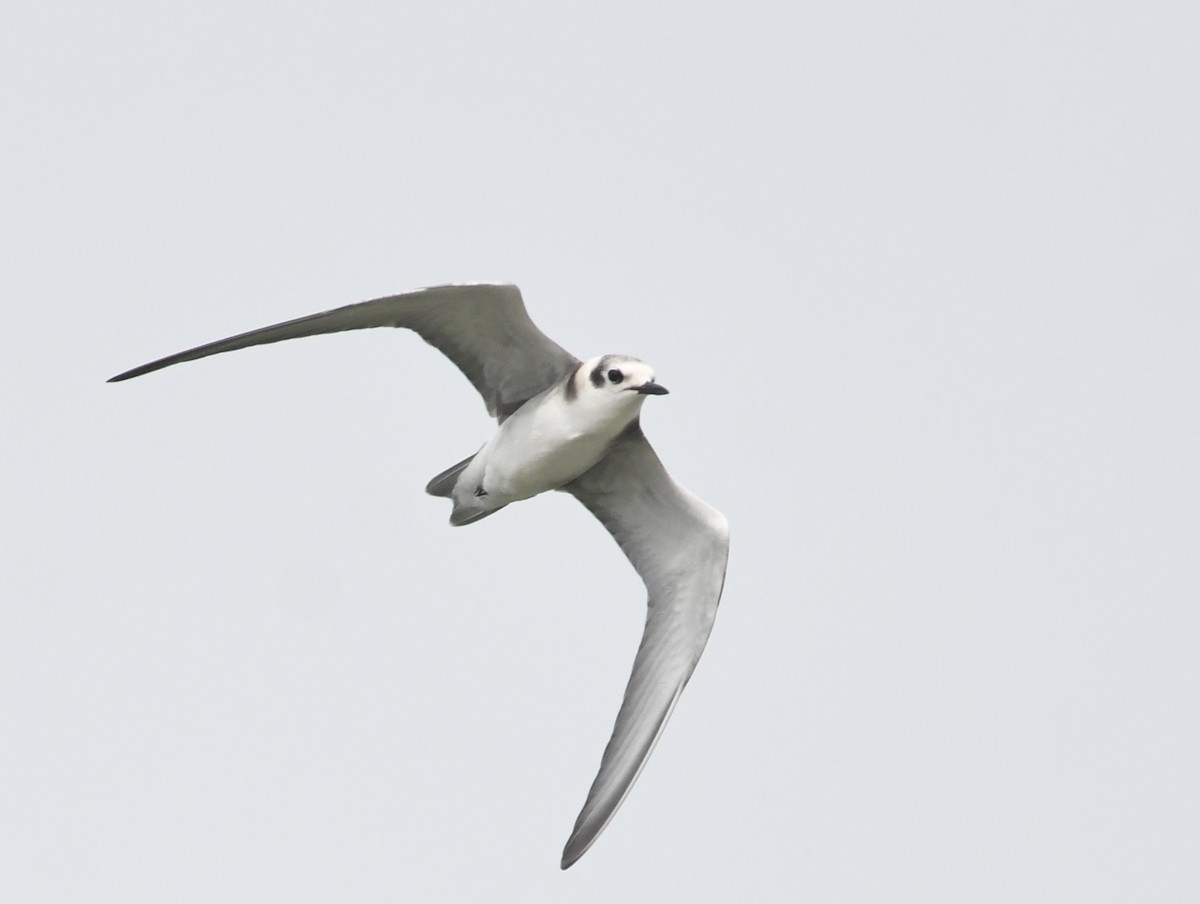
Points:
(552, 440)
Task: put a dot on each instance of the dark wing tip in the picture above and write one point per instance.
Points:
(147, 368)
(576, 848)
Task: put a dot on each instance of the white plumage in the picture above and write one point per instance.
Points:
(571, 426)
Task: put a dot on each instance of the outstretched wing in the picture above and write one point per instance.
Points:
(483, 329)
(679, 546)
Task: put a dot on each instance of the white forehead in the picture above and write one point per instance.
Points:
(629, 367)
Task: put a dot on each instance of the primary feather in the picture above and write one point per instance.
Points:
(581, 423)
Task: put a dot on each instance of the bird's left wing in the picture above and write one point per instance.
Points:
(484, 329)
(679, 546)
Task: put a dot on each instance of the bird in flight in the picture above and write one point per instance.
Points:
(569, 425)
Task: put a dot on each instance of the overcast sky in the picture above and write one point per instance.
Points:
(923, 282)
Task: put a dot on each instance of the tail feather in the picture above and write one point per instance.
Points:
(443, 484)
(470, 513)
(468, 507)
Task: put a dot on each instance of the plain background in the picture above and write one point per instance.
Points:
(922, 279)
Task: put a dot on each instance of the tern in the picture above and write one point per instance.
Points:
(569, 425)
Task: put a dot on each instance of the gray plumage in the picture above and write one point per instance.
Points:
(483, 329)
(679, 546)
(677, 543)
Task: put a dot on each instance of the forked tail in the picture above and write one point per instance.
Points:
(443, 484)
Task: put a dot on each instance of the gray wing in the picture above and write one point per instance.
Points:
(679, 546)
(483, 329)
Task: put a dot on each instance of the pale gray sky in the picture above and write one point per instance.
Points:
(923, 282)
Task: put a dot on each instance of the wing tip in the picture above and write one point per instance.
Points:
(141, 370)
(577, 845)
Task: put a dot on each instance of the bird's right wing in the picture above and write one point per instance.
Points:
(484, 329)
(679, 546)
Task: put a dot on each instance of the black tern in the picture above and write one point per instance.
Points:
(569, 425)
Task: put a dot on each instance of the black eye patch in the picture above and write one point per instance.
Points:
(615, 376)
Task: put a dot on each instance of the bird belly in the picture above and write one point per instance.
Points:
(522, 466)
